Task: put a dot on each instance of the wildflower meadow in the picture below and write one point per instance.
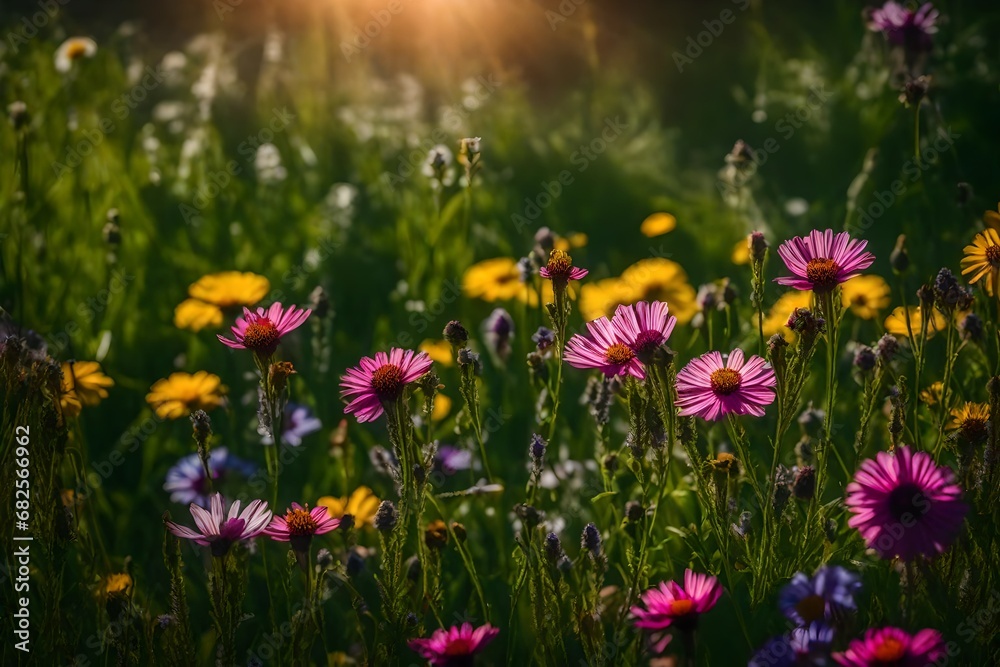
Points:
(482, 332)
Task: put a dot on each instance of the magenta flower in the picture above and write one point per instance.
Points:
(560, 268)
(300, 524)
(605, 349)
(373, 382)
(644, 326)
(904, 504)
(905, 27)
(710, 387)
(220, 531)
(671, 605)
(456, 646)
(260, 332)
(822, 260)
(892, 646)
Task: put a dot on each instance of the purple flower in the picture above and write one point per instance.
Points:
(801, 647)
(450, 460)
(186, 479)
(498, 330)
(906, 27)
(824, 595)
(298, 423)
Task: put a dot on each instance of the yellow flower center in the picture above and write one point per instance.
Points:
(300, 522)
(681, 607)
(619, 354)
(559, 264)
(725, 381)
(261, 335)
(76, 50)
(889, 650)
(387, 381)
(993, 254)
(822, 273)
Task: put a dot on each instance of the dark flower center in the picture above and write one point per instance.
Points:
(822, 273)
(559, 264)
(811, 608)
(974, 430)
(619, 354)
(387, 381)
(300, 522)
(725, 381)
(993, 255)
(908, 500)
(261, 335)
(646, 342)
(889, 652)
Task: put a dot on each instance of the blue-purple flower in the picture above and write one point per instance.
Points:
(800, 647)
(186, 479)
(298, 423)
(822, 596)
(498, 331)
(449, 459)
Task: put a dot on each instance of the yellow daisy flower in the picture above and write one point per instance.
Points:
(972, 421)
(657, 224)
(439, 351)
(442, 406)
(660, 279)
(362, 505)
(567, 243)
(931, 396)
(982, 259)
(992, 218)
(119, 583)
(496, 279)
(195, 315)
(777, 317)
(896, 322)
(83, 383)
(600, 298)
(866, 296)
(230, 288)
(181, 393)
(74, 49)
(741, 253)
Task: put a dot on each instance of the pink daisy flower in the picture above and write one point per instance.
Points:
(300, 524)
(375, 381)
(904, 504)
(605, 349)
(455, 646)
(905, 26)
(892, 646)
(822, 260)
(671, 605)
(560, 268)
(711, 387)
(220, 531)
(260, 332)
(644, 326)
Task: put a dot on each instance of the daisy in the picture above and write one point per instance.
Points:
(905, 505)
(196, 315)
(604, 349)
(896, 323)
(300, 524)
(220, 531)
(83, 383)
(455, 646)
(560, 268)
(362, 504)
(376, 381)
(260, 332)
(822, 260)
(644, 326)
(801, 646)
(972, 421)
(74, 49)
(671, 605)
(186, 481)
(181, 393)
(904, 26)
(892, 646)
(230, 288)
(710, 386)
(825, 595)
(866, 296)
(661, 279)
(299, 422)
(982, 260)
(657, 224)
(496, 279)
